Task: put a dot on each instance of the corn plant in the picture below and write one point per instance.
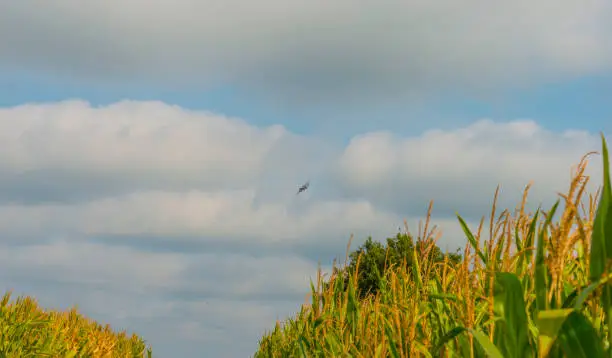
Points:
(26, 330)
(536, 287)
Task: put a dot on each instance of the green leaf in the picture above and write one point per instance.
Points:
(541, 274)
(512, 331)
(416, 270)
(602, 224)
(584, 294)
(549, 323)
(525, 256)
(317, 323)
(446, 338)
(352, 314)
(303, 342)
(392, 345)
(333, 343)
(531, 234)
(517, 239)
(472, 239)
(485, 343)
(601, 238)
(577, 339)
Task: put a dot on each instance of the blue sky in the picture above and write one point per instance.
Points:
(151, 157)
(556, 105)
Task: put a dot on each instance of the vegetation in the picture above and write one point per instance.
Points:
(26, 330)
(536, 287)
(375, 259)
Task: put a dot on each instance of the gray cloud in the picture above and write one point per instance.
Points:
(465, 166)
(58, 156)
(185, 226)
(176, 299)
(310, 51)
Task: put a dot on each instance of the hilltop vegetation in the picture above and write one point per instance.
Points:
(529, 285)
(27, 330)
(369, 262)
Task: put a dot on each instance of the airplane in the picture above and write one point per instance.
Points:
(303, 187)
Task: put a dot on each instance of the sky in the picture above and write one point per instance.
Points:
(152, 150)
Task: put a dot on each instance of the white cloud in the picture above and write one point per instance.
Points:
(144, 145)
(223, 217)
(310, 49)
(132, 137)
(464, 166)
(189, 221)
(117, 268)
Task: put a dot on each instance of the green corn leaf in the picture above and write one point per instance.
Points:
(549, 323)
(531, 235)
(303, 344)
(512, 331)
(587, 291)
(392, 344)
(416, 270)
(485, 343)
(541, 273)
(602, 225)
(472, 239)
(450, 335)
(577, 338)
(601, 239)
(517, 240)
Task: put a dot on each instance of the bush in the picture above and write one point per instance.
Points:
(374, 260)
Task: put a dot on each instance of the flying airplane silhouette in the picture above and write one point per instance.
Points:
(303, 187)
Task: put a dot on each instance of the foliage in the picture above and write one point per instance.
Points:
(536, 287)
(374, 259)
(26, 330)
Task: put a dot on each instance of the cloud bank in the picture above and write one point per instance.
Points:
(310, 51)
(185, 225)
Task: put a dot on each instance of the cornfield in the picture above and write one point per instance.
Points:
(27, 330)
(536, 287)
